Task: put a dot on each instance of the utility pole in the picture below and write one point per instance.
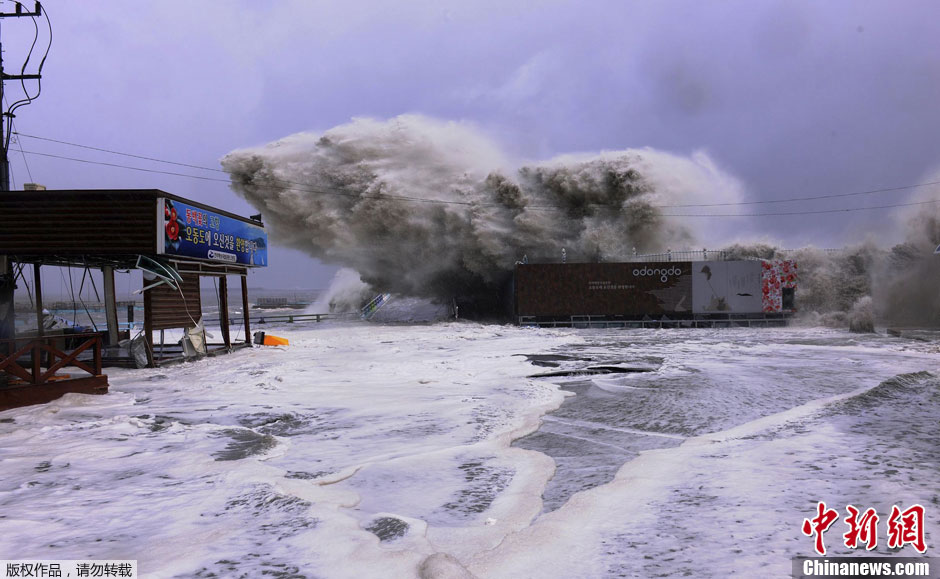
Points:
(7, 280)
(6, 132)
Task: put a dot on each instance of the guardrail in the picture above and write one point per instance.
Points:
(292, 318)
(239, 320)
(719, 255)
(288, 318)
(703, 255)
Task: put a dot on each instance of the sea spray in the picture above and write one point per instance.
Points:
(859, 286)
(433, 209)
(862, 316)
(346, 294)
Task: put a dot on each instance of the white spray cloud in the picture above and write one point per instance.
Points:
(434, 209)
(345, 294)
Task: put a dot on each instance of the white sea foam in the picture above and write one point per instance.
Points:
(370, 450)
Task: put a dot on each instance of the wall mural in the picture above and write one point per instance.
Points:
(777, 275)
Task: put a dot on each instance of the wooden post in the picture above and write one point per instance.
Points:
(110, 305)
(37, 282)
(37, 365)
(97, 355)
(245, 309)
(41, 331)
(148, 325)
(7, 325)
(223, 310)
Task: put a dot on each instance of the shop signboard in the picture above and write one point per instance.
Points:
(185, 230)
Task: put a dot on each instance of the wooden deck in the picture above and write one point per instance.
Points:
(29, 369)
(15, 396)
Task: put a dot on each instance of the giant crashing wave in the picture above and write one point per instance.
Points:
(433, 209)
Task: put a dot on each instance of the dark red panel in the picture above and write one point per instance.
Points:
(603, 289)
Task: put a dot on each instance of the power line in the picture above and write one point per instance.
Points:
(668, 206)
(6, 132)
(301, 186)
(145, 158)
(38, 76)
(815, 198)
(18, 146)
(307, 187)
(284, 183)
(25, 162)
(145, 170)
(850, 209)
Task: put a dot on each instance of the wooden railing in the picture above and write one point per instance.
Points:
(56, 359)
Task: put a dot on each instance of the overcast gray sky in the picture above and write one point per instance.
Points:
(795, 99)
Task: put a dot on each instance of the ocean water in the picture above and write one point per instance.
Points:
(458, 449)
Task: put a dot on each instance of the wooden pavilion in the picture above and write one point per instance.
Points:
(175, 241)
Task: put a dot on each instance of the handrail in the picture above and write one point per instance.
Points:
(718, 255)
(36, 346)
(291, 318)
(235, 320)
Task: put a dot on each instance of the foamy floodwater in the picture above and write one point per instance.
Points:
(368, 450)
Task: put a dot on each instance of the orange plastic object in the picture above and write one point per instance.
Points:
(270, 340)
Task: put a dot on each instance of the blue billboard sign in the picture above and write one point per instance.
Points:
(188, 231)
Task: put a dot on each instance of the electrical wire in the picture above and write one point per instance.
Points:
(71, 286)
(793, 199)
(25, 162)
(42, 62)
(8, 130)
(112, 152)
(29, 99)
(18, 273)
(91, 278)
(145, 170)
(819, 212)
(306, 188)
(82, 300)
(26, 62)
(179, 288)
(20, 146)
(300, 186)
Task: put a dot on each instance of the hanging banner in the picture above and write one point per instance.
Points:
(189, 231)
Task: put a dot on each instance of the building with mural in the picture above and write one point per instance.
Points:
(689, 293)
